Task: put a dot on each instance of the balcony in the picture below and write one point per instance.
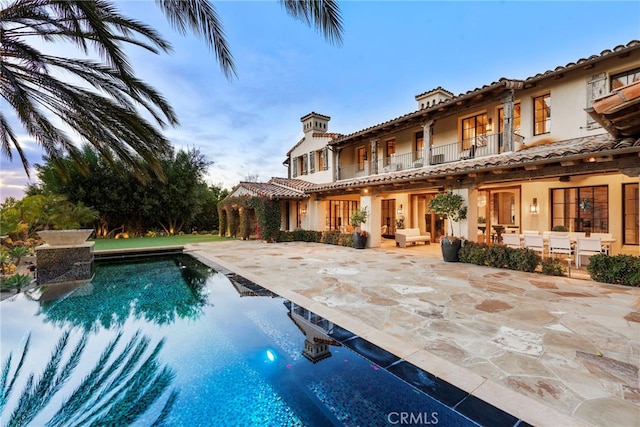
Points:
(481, 146)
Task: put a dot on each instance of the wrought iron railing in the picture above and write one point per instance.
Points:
(481, 146)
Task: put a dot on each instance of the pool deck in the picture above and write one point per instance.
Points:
(552, 351)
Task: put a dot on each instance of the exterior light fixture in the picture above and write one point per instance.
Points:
(489, 125)
(533, 207)
(303, 209)
(399, 211)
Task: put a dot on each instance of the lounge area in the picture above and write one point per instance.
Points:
(412, 236)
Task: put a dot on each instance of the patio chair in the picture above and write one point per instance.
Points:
(534, 242)
(561, 245)
(511, 240)
(606, 247)
(587, 246)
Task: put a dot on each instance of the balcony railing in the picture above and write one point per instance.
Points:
(481, 146)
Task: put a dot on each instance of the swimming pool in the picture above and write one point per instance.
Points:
(172, 341)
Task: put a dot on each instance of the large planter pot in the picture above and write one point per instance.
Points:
(359, 241)
(450, 248)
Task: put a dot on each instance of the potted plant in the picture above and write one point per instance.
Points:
(451, 205)
(358, 218)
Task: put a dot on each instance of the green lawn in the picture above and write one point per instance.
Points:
(147, 242)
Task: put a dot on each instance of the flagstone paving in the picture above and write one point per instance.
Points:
(549, 350)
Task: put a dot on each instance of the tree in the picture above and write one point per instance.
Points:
(23, 218)
(179, 197)
(103, 107)
(451, 205)
(122, 203)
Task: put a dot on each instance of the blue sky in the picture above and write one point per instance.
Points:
(391, 52)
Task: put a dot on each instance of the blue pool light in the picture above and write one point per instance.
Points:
(271, 356)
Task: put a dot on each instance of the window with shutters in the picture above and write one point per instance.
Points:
(312, 162)
(294, 167)
(596, 87)
(303, 164)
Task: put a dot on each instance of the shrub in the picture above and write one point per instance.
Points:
(552, 267)
(617, 269)
(331, 237)
(497, 256)
(17, 281)
(19, 252)
(298, 235)
(346, 239)
(473, 253)
(523, 259)
(284, 236)
(559, 228)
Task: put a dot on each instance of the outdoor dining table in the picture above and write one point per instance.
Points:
(574, 240)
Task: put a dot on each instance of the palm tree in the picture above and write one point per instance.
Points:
(103, 107)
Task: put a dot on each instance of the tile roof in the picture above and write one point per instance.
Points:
(331, 135)
(277, 188)
(439, 88)
(502, 82)
(582, 62)
(313, 113)
(602, 144)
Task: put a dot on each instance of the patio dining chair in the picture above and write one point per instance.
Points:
(561, 245)
(511, 240)
(534, 242)
(587, 246)
(606, 247)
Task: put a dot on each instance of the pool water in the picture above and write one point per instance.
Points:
(170, 341)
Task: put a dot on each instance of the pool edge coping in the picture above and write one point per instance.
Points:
(519, 405)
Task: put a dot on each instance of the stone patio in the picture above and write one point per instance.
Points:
(553, 351)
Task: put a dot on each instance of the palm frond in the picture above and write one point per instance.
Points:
(4, 388)
(324, 15)
(202, 18)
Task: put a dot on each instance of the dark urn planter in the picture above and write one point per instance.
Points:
(450, 248)
(359, 240)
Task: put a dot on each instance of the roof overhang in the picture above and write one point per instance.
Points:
(596, 154)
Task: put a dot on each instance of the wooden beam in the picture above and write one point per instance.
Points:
(569, 162)
(532, 167)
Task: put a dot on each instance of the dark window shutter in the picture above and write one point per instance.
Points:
(596, 87)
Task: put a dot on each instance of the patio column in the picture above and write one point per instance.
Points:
(507, 129)
(372, 226)
(374, 156)
(463, 227)
(427, 130)
(336, 165)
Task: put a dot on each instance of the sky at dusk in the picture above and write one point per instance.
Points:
(391, 52)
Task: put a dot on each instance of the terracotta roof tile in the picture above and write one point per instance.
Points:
(313, 113)
(277, 188)
(433, 91)
(632, 45)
